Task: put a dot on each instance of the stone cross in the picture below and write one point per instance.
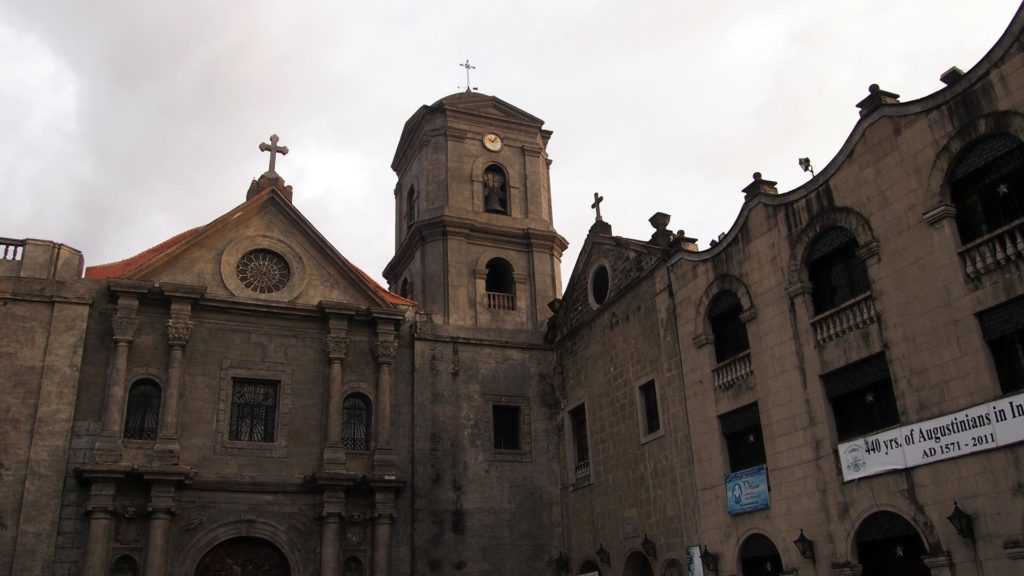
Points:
(468, 67)
(274, 149)
(597, 206)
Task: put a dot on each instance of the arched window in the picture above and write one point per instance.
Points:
(410, 206)
(125, 565)
(729, 330)
(836, 272)
(674, 568)
(759, 557)
(888, 544)
(353, 567)
(355, 423)
(987, 186)
(142, 418)
(500, 285)
(495, 190)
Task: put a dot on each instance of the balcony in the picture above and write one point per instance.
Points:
(583, 471)
(500, 301)
(844, 319)
(993, 251)
(733, 371)
(11, 249)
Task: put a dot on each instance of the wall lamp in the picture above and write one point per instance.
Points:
(805, 546)
(604, 556)
(962, 522)
(709, 560)
(649, 548)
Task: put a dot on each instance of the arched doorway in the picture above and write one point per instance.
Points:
(637, 565)
(243, 557)
(589, 568)
(889, 545)
(760, 557)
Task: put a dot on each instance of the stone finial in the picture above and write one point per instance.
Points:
(662, 236)
(267, 181)
(951, 76)
(876, 98)
(683, 242)
(759, 186)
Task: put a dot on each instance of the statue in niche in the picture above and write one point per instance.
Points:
(495, 190)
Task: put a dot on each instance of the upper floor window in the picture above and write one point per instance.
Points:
(410, 206)
(744, 441)
(580, 441)
(507, 421)
(650, 416)
(862, 397)
(355, 423)
(987, 186)
(253, 411)
(142, 418)
(500, 285)
(495, 190)
(1003, 329)
(729, 330)
(836, 272)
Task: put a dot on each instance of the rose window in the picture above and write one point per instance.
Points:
(263, 271)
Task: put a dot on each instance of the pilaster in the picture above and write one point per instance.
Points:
(179, 332)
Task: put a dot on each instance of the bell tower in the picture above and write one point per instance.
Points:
(475, 244)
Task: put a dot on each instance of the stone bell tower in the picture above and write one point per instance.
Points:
(475, 245)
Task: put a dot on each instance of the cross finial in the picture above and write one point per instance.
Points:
(468, 67)
(274, 150)
(597, 206)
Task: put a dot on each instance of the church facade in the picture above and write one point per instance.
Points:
(835, 386)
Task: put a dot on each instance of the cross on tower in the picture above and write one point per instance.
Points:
(597, 206)
(468, 67)
(274, 149)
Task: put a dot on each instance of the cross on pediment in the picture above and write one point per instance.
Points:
(468, 67)
(274, 150)
(597, 206)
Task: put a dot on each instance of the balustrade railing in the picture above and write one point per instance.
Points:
(583, 470)
(11, 249)
(849, 317)
(733, 371)
(500, 301)
(993, 251)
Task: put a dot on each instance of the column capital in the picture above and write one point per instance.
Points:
(385, 351)
(336, 347)
(179, 332)
(124, 328)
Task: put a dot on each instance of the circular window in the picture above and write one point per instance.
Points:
(599, 284)
(263, 271)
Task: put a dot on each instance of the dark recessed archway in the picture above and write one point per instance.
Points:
(888, 544)
(637, 564)
(244, 557)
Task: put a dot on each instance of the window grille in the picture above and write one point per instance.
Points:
(578, 419)
(649, 396)
(862, 397)
(142, 418)
(729, 330)
(507, 422)
(987, 186)
(355, 423)
(836, 272)
(743, 438)
(253, 411)
(1003, 329)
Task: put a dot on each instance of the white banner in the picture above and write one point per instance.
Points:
(984, 427)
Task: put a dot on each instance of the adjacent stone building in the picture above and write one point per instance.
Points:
(835, 386)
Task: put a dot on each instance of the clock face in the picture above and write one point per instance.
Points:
(492, 142)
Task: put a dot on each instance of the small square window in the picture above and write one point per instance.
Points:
(650, 416)
(253, 411)
(744, 441)
(862, 397)
(507, 422)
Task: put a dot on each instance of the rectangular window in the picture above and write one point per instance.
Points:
(253, 411)
(862, 397)
(649, 408)
(506, 421)
(580, 442)
(1003, 329)
(744, 441)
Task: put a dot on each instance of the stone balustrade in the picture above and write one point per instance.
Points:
(11, 249)
(500, 301)
(993, 251)
(583, 470)
(848, 317)
(733, 371)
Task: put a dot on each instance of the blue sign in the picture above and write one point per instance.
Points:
(747, 490)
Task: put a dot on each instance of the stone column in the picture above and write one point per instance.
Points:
(384, 350)
(125, 322)
(384, 516)
(330, 537)
(161, 508)
(336, 347)
(939, 563)
(101, 522)
(179, 331)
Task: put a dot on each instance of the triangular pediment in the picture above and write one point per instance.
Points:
(263, 250)
(491, 106)
(624, 261)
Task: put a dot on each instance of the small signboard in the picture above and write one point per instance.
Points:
(694, 566)
(747, 490)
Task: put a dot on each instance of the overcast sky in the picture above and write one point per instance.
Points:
(126, 122)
